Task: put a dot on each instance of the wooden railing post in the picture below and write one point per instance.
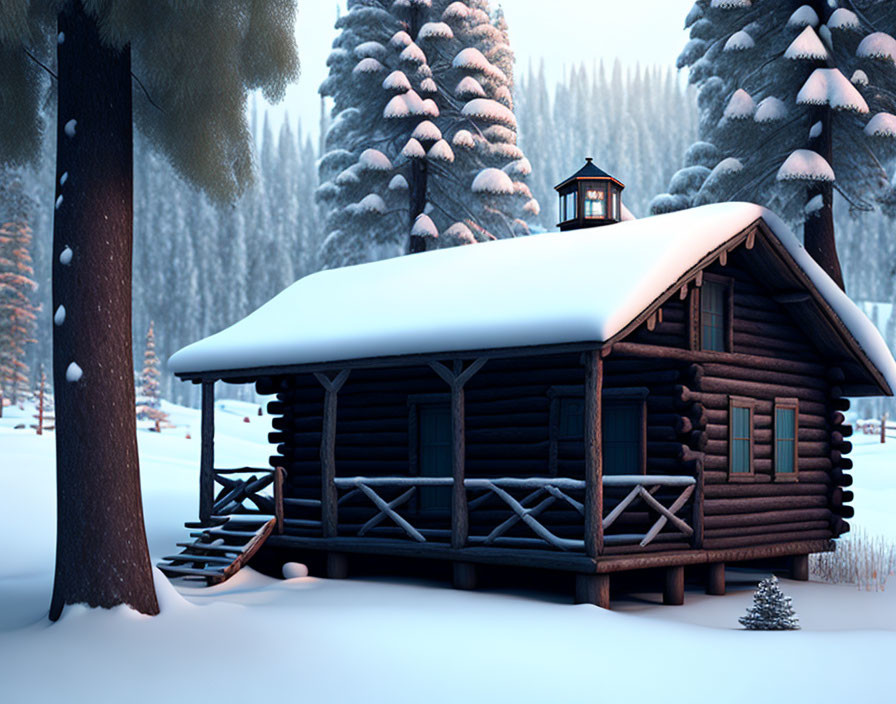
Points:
(456, 379)
(279, 477)
(697, 538)
(207, 453)
(594, 490)
(329, 518)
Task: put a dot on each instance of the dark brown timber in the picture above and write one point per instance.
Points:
(207, 453)
(101, 553)
(594, 501)
(328, 452)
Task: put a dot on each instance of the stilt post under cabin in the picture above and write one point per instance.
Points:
(799, 568)
(593, 589)
(673, 591)
(207, 453)
(594, 494)
(715, 579)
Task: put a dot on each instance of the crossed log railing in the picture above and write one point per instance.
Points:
(244, 495)
(542, 493)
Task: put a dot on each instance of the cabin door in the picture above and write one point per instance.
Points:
(434, 422)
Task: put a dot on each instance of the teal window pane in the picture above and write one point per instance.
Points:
(741, 439)
(622, 438)
(435, 453)
(785, 440)
(712, 316)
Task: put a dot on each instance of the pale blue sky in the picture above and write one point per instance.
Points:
(562, 32)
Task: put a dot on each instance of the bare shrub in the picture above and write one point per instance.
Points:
(861, 559)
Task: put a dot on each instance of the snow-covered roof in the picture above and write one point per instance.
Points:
(578, 286)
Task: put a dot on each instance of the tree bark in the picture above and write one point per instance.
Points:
(818, 230)
(101, 552)
(418, 167)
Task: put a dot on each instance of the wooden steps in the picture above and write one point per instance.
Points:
(220, 549)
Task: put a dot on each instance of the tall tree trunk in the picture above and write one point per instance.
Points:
(818, 231)
(419, 173)
(101, 553)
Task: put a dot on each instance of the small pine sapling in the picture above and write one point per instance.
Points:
(148, 401)
(771, 610)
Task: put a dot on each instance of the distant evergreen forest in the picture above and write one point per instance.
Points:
(199, 267)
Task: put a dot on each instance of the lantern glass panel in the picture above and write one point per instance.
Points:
(570, 213)
(595, 201)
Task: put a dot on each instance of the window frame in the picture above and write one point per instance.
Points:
(790, 404)
(696, 312)
(634, 395)
(750, 405)
(415, 401)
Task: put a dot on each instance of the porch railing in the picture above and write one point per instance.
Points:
(249, 491)
(516, 507)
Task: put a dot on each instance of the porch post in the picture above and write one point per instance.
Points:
(594, 489)
(456, 379)
(207, 453)
(459, 517)
(329, 518)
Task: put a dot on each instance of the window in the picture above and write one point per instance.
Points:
(622, 437)
(595, 203)
(616, 205)
(571, 425)
(434, 423)
(568, 206)
(623, 416)
(714, 315)
(740, 438)
(786, 438)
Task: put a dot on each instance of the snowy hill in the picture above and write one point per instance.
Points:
(376, 640)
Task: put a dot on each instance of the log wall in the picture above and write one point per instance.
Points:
(508, 427)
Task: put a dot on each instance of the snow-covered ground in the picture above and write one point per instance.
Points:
(375, 640)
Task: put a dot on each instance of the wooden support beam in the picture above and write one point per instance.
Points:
(329, 517)
(799, 568)
(699, 510)
(460, 520)
(464, 575)
(207, 453)
(593, 589)
(594, 532)
(673, 591)
(715, 579)
(456, 378)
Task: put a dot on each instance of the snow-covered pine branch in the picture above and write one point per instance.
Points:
(422, 84)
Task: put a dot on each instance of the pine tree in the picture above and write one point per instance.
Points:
(793, 94)
(771, 610)
(18, 313)
(423, 140)
(149, 405)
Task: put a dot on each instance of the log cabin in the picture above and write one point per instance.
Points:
(654, 393)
